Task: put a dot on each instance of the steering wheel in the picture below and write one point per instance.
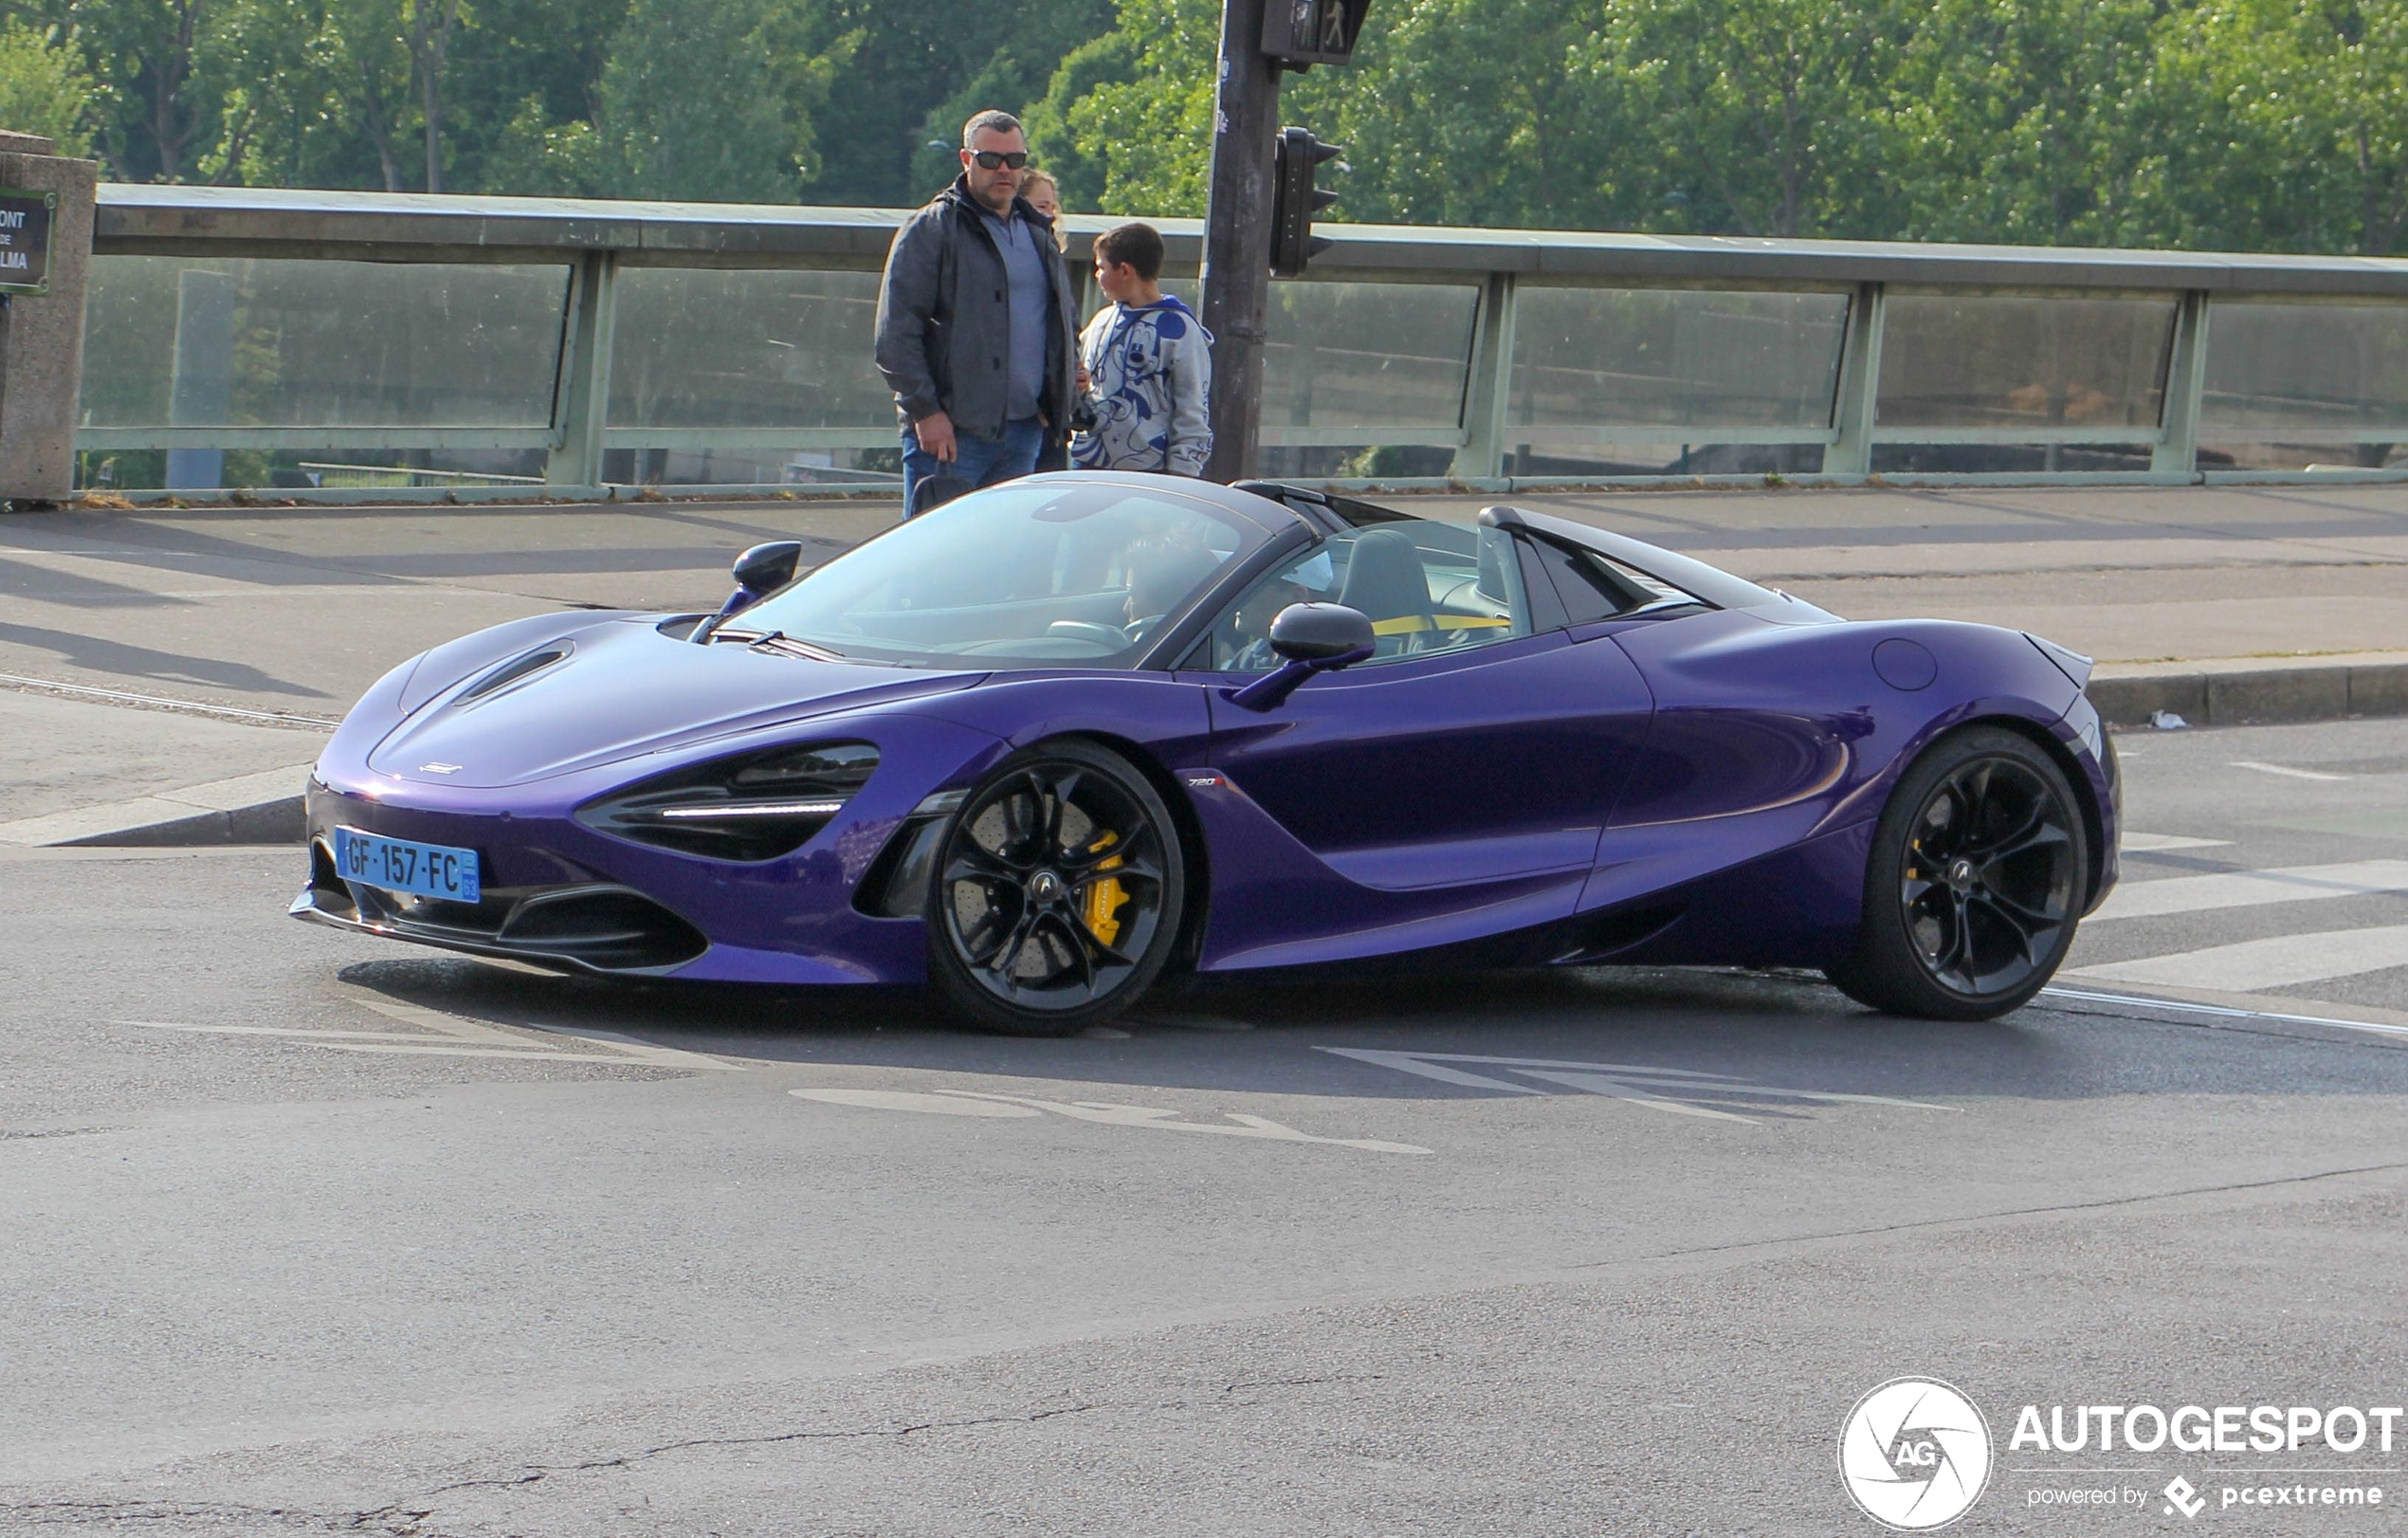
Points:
(1088, 631)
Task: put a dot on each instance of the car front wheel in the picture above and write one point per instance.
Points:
(1058, 893)
(1975, 882)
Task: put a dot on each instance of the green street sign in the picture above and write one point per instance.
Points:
(25, 240)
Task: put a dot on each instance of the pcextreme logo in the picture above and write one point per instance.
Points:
(1914, 1454)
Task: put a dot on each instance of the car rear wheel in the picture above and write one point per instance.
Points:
(1975, 882)
(1058, 894)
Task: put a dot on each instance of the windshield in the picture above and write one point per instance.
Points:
(1047, 571)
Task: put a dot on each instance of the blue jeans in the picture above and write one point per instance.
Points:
(980, 462)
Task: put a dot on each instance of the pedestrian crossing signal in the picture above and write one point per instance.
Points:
(1301, 33)
(1296, 160)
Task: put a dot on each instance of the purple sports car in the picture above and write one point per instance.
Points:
(1061, 735)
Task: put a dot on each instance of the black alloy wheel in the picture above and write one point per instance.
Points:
(1974, 884)
(1058, 893)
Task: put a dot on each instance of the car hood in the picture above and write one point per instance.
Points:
(620, 689)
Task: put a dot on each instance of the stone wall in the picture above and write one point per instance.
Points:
(42, 337)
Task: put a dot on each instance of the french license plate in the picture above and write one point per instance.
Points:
(398, 864)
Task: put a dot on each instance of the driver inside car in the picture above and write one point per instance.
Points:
(1162, 572)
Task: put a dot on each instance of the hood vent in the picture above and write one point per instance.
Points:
(515, 669)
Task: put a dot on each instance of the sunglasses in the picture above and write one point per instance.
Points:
(998, 160)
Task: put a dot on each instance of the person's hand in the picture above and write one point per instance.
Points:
(1085, 383)
(936, 435)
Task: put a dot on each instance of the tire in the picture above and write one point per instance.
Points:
(1058, 894)
(1975, 882)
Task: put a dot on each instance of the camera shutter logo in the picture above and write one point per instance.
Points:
(1914, 1454)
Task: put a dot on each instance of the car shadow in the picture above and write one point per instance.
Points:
(1715, 1035)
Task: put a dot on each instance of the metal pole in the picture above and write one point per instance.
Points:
(1490, 388)
(1859, 386)
(2177, 451)
(1237, 237)
(581, 399)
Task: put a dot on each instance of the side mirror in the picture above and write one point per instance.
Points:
(759, 572)
(765, 568)
(1320, 633)
(1315, 638)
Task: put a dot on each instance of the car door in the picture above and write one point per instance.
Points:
(1467, 766)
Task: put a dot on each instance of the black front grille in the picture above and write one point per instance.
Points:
(596, 926)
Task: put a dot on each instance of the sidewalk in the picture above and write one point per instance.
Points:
(2220, 603)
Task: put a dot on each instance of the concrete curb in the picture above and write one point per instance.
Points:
(254, 809)
(2253, 690)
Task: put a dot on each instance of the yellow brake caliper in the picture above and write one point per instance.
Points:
(1105, 896)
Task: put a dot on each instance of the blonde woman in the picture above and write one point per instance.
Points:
(1042, 193)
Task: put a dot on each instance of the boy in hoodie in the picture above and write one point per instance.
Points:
(1146, 365)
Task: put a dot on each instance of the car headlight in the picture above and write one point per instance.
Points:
(754, 806)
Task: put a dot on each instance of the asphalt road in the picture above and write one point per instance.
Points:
(312, 1233)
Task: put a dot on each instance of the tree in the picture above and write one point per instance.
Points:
(2021, 122)
(363, 53)
(1112, 57)
(143, 53)
(44, 86)
(2297, 125)
(431, 24)
(1151, 130)
(1480, 112)
(1767, 110)
(710, 102)
(916, 69)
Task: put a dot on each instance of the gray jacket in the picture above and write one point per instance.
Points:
(944, 325)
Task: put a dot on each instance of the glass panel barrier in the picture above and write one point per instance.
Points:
(2035, 362)
(1367, 355)
(747, 348)
(1613, 357)
(2292, 385)
(190, 341)
(2008, 458)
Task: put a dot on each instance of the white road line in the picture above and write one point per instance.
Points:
(1674, 1090)
(2252, 965)
(2285, 770)
(2247, 889)
(976, 1102)
(2223, 1012)
(281, 1030)
(274, 718)
(441, 1023)
(2163, 843)
(456, 1038)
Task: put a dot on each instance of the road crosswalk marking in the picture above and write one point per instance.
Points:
(1679, 1092)
(2285, 770)
(2248, 889)
(2278, 961)
(2165, 843)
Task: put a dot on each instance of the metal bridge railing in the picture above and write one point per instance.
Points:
(590, 345)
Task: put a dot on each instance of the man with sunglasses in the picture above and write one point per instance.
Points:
(975, 322)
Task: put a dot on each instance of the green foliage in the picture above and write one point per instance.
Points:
(921, 67)
(1150, 132)
(44, 86)
(2249, 124)
(1106, 60)
(709, 104)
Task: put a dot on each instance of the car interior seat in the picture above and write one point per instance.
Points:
(1385, 580)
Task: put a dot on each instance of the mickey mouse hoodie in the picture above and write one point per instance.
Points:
(1151, 373)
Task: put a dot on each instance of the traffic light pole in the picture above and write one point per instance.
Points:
(1237, 237)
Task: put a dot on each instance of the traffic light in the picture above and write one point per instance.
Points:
(1301, 33)
(1296, 160)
